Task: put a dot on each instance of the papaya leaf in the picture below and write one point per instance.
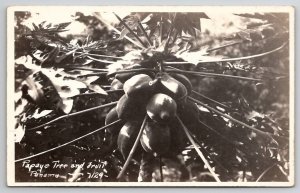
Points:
(247, 34)
(188, 22)
(19, 133)
(35, 27)
(67, 105)
(195, 57)
(270, 17)
(48, 25)
(38, 114)
(63, 25)
(97, 89)
(133, 57)
(53, 86)
(66, 88)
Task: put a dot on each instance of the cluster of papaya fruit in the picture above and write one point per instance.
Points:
(158, 99)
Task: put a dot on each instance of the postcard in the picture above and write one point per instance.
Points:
(150, 96)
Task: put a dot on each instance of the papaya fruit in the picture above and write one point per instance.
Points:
(112, 116)
(116, 85)
(172, 87)
(185, 81)
(130, 108)
(156, 138)
(161, 108)
(127, 137)
(140, 84)
(112, 132)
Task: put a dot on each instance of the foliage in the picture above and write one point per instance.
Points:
(240, 88)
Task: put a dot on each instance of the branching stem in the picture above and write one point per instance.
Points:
(169, 34)
(130, 30)
(90, 54)
(73, 114)
(217, 133)
(96, 93)
(208, 74)
(160, 30)
(206, 163)
(134, 70)
(268, 135)
(87, 69)
(210, 99)
(234, 59)
(98, 60)
(113, 28)
(204, 150)
(68, 143)
(137, 140)
(168, 39)
(144, 32)
(224, 46)
(92, 74)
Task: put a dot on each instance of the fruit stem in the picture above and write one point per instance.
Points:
(133, 70)
(161, 67)
(67, 143)
(90, 54)
(224, 46)
(208, 74)
(92, 74)
(210, 99)
(87, 69)
(102, 61)
(137, 140)
(198, 150)
(113, 28)
(130, 30)
(73, 114)
(100, 55)
(96, 93)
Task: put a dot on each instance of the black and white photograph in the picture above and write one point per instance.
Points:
(150, 96)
